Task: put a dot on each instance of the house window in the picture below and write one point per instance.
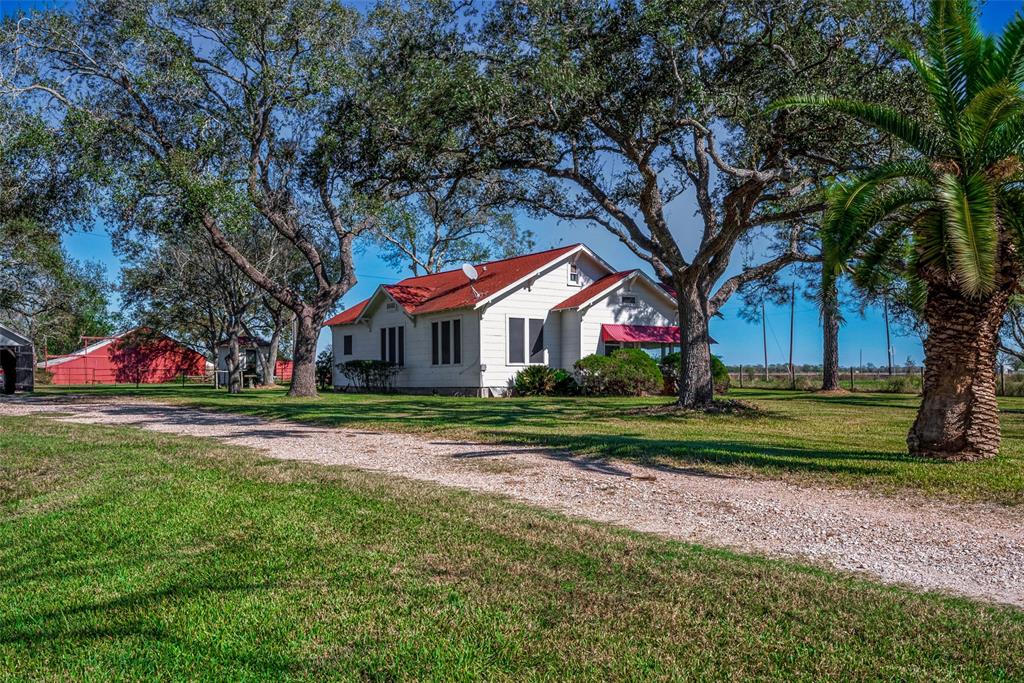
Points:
(346, 345)
(628, 300)
(574, 274)
(446, 342)
(392, 345)
(391, 306)
(525, 340)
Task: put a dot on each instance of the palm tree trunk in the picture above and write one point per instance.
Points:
(830, 329)
(959, 417)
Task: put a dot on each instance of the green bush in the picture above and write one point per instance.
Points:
(902, 384)
(670, 373)
(370, 375)
(592, 374)
(565, 383)
(534, 380)
(627, 372)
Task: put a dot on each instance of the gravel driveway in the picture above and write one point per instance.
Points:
(971, 550)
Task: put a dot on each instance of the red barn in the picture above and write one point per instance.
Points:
(135, 357)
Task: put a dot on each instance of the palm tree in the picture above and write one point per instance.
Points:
(951, 213)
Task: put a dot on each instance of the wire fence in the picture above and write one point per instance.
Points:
(903, 380)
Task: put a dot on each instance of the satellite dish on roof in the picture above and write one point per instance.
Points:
(470, 272)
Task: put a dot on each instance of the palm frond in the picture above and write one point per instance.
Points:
(857, 206)
(971, 231)
(986, 113)
(884, 119)
(888, 247)
(1009, 56)
(930, 240)
(945, 49)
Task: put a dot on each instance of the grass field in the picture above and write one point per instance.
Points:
(132, 555)
(854, 440)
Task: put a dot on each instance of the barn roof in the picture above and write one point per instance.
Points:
(97, 345)
(451, 289)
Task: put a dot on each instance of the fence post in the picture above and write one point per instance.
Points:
(741, 375)
(851, 378)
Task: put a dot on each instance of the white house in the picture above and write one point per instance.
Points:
(450, 334)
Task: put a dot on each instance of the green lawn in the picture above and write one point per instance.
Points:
(132, 555)
(852, 440)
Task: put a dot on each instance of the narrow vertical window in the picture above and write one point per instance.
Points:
(446, 342)
(574, 274)
(536, 340)
(434, 344)
(516, 340)
(457, 341)
(346, 343)
(401, 345)
(384, 343)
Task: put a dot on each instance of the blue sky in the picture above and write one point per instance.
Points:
(862, 337)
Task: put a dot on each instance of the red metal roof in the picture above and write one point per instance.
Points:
(655, 334)
(593, 289)
(451, 289)
(349, 314)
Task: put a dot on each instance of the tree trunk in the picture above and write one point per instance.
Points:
(270, 376)
(959, 417)
(234, 365)
(307, 331)
(696, 387)
(830, 355)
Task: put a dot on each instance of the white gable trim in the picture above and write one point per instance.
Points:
(629, 280)
(364, 315)
(571, 254)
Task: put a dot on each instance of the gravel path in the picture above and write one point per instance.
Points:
(971, 550)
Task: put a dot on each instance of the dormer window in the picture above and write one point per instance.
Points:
(574, 274)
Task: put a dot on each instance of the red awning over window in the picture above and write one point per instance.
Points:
(652, 334)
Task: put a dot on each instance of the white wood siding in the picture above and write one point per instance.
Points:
(418, 373)
(534, 299)
(568, 335)
(651, 309)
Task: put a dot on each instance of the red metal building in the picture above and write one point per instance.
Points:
(135, 357)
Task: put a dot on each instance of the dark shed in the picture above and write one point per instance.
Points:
(17, 360)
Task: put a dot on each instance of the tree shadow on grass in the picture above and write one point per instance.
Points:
(689, 455)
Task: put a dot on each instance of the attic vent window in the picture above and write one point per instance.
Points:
(628, 299)
(574, 274)
(391, 306)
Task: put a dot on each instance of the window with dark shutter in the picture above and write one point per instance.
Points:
(384, 343)
(434, 344)
(401, 346)
(346, 344)
(516, 340)
(536, 340)
(456, 341)
(392, 345)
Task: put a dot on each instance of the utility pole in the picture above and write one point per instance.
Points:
(764, 338)
(792, 317)
(888, 340)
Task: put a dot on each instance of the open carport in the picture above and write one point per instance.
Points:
(17, 361)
